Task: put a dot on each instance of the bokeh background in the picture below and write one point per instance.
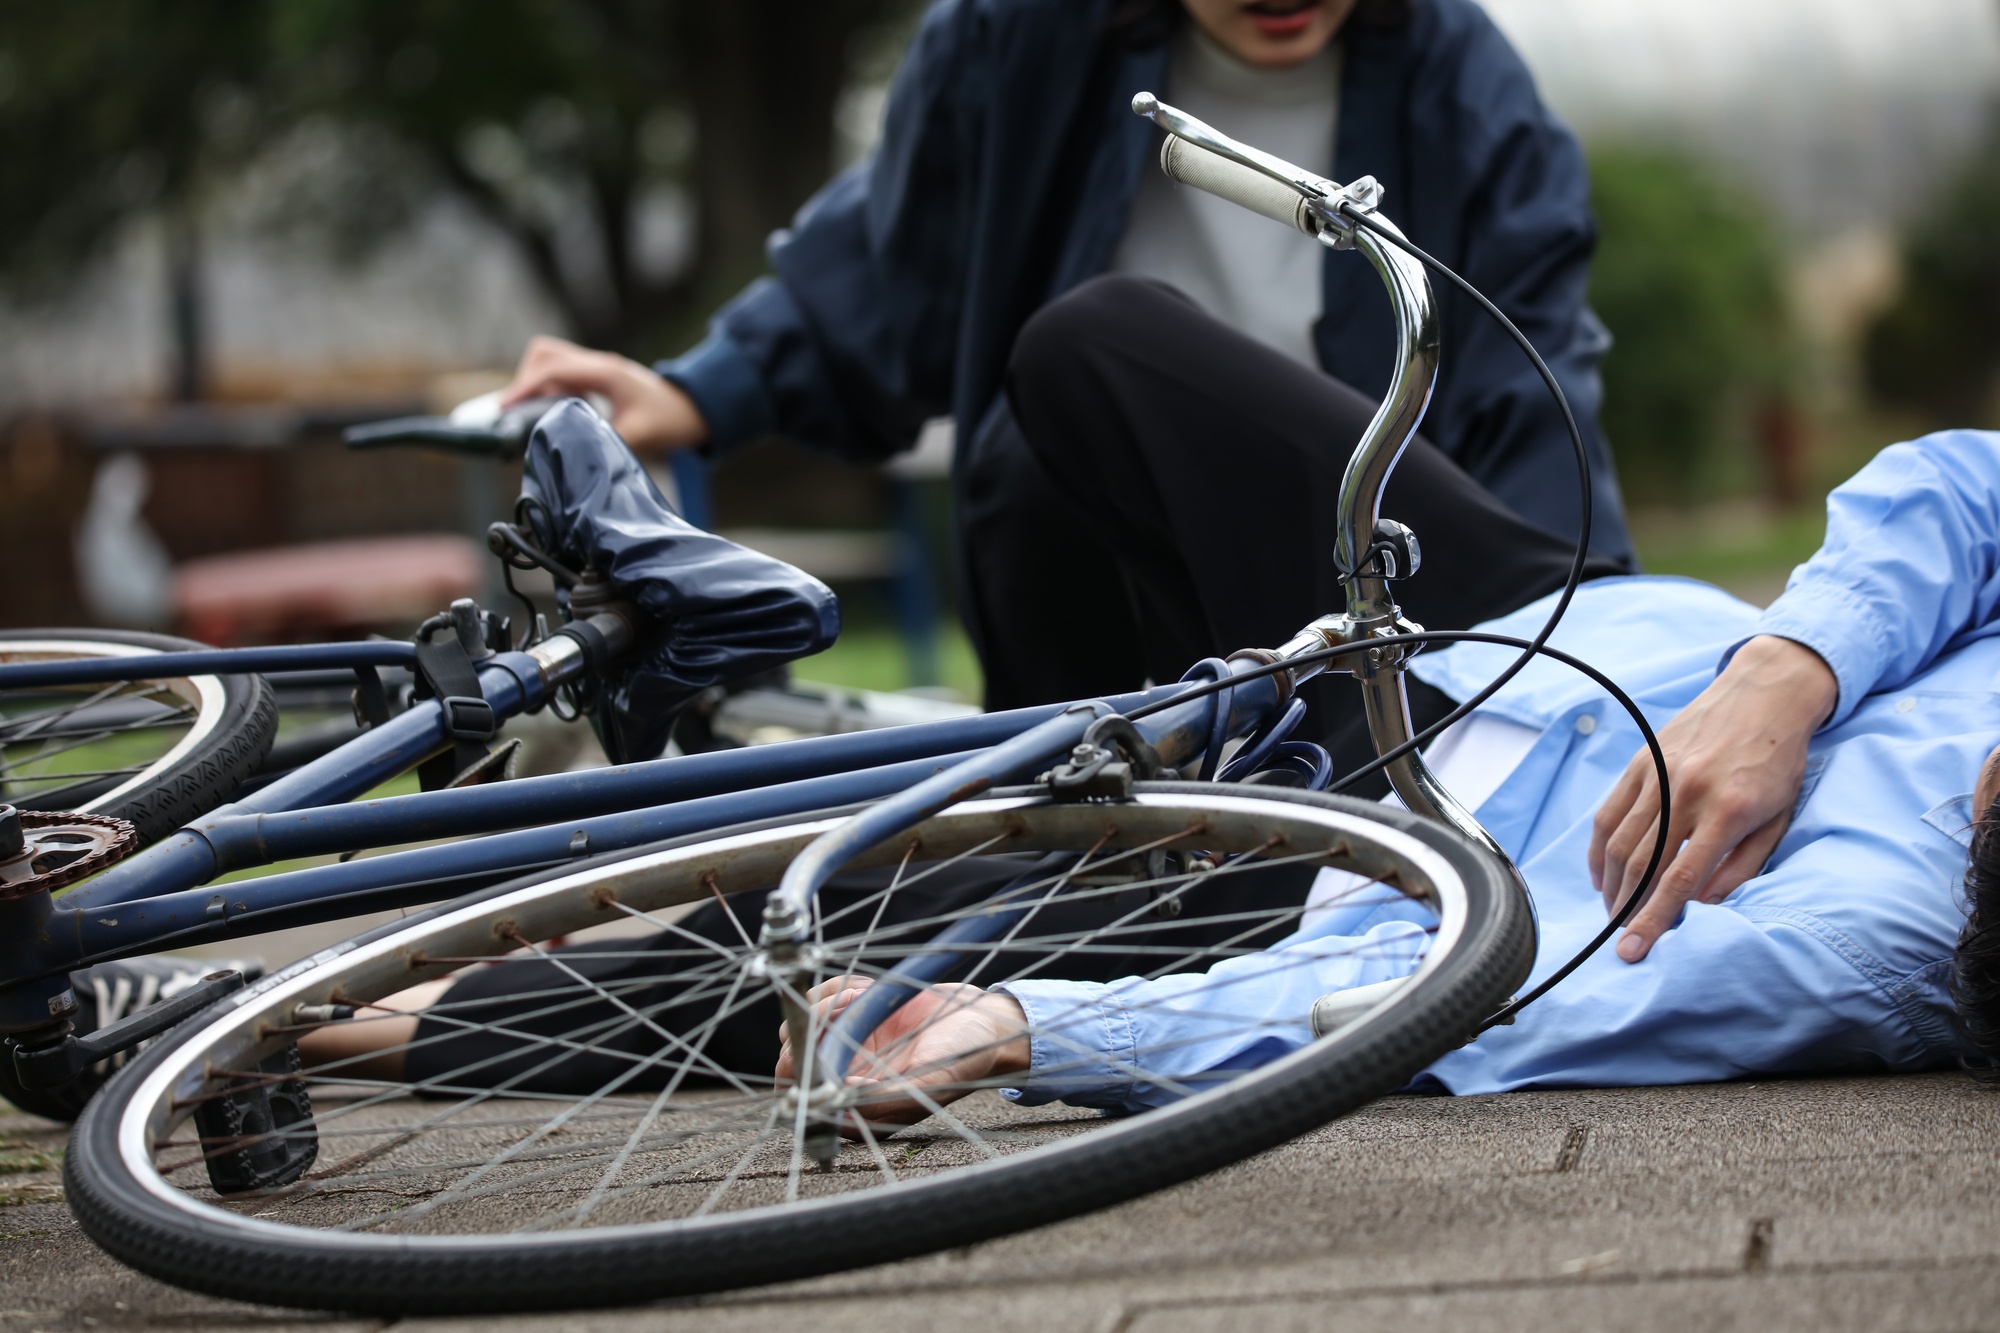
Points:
(229, 229)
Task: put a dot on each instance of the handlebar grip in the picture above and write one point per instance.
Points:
(435, 433)
(1196, 166)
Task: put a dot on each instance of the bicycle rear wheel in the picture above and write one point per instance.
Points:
(678, 1170)
(156, 752)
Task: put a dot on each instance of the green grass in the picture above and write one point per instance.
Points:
(871, 657)
(1729, 545)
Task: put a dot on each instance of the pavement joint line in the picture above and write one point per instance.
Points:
(1597, 1278)
(1594, 1279)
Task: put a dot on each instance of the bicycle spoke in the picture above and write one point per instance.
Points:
(621, 1081)
(695, 1041)
(40, 722)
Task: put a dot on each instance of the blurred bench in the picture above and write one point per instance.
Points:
(324, 589)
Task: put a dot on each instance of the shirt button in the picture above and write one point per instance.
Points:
(1586, 724)
(1906, 705)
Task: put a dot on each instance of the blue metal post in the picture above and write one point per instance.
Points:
(690, 475)
(916, 590)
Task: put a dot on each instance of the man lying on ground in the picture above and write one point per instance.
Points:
(1834, 767)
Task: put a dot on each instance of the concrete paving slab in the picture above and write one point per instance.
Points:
(1930, 1300)
(1810, 1204)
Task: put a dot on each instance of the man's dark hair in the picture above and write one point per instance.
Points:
(1149, 22)
(1975, 964)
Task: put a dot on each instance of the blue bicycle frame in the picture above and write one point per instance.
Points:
(155, 899)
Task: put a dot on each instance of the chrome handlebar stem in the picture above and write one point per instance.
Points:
(1395, 422)
(1371, 610)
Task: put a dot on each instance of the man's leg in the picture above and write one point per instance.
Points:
(513, 1023)
(1047, 605)
(1211, 466)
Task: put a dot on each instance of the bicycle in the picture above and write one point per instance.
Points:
(507, 1179)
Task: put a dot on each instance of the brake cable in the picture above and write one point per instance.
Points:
(1530, 647)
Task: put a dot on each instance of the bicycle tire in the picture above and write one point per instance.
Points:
(1483, 947)
(235, 719)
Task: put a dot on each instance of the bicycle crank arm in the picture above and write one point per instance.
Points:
(57, 1063)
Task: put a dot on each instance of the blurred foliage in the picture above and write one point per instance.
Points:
(108, 109)
(553, 118)
(1686, 278)
(1937, 347)
(871, 654)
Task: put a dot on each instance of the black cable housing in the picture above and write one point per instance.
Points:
(1530, 650)
(1530, 647)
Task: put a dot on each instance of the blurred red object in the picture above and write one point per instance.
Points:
(294, 593)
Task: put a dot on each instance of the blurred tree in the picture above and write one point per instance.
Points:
(1937, 347)
(114, 109)
(573, 125)
(1686, 279)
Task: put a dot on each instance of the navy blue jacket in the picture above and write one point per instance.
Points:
(1008, 163)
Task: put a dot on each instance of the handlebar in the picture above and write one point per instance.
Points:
(477, 428)
(436, 433)
(1199, 155)
(1237, 183)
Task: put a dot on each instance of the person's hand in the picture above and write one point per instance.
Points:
(649, 413)
(943, 1040)
(1735, 756)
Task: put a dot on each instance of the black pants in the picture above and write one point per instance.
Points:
(1169, 495)
(532, 996)
(1166, 490)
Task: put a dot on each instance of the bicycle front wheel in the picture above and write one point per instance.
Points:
(591, 1125)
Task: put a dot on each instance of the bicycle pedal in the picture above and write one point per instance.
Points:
(259, 1134)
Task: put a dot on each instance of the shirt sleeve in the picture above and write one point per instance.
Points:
(1131, 1044)
(1908, 564)
(849, 348)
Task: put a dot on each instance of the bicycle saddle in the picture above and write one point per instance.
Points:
(718, 611)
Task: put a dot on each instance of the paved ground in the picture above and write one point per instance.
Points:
(1814, 1204)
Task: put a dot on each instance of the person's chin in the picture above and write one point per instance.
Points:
(1276, 46)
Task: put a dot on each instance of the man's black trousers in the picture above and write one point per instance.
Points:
(1168, 495)
(1165, 491)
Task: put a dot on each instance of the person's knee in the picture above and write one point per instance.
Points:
(1062, 339)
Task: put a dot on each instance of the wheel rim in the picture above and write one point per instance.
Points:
(78, 739)
(603, 1164)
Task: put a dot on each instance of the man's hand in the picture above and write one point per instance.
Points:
(1735, 756)
(943, 1041)
(649, 413)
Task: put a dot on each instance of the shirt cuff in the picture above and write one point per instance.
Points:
(727, 390)
(1082, 1047)
(1837, 626)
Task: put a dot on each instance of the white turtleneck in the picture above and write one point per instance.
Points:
(1248, 271)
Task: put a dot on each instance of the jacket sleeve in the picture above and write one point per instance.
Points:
(850, 347)
(1911, 560)
(1516, 221)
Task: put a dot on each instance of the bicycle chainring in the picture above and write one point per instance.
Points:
(50, 849)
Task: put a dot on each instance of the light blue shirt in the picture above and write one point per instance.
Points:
(1836, 957)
